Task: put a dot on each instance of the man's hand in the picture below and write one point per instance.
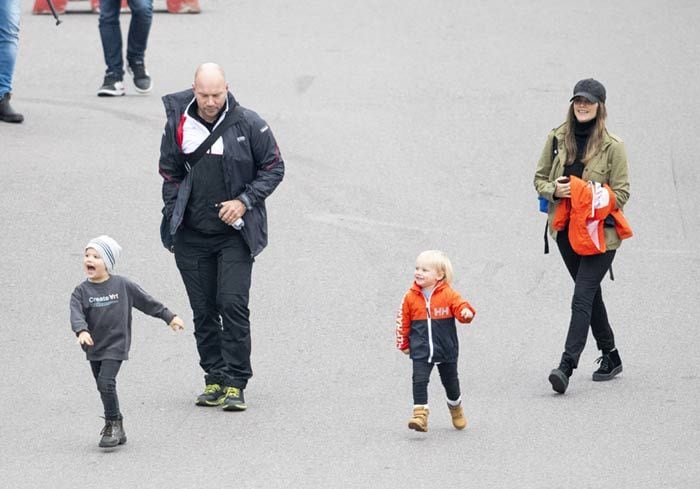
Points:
(406, 351)
(231, 210)
(84, 338)
(176, 323)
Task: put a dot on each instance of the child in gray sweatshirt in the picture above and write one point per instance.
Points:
(100, 316)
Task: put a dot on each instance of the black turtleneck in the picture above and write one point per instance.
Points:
(582, 131)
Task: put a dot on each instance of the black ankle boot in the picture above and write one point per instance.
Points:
(7, 113)
(112, 434)
(559, 377)
(610, 365)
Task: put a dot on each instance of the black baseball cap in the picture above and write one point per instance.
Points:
(591, 89)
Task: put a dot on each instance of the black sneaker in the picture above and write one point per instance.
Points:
(610, 366)
(142, 80)
(111, 87)
(7, 113)
(559, 377)
(112, 434)
(213, 395)
(234, 400)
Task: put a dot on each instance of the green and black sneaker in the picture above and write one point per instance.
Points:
(213, 395)
(234, 400)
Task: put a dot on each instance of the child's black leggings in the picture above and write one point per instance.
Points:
(105, 373)
(421, 377)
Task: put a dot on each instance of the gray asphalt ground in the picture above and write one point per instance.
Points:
(405, 125)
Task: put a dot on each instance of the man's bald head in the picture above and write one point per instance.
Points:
(210, 90)
(209, 72)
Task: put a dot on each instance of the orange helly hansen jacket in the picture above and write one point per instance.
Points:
(427, 327)
(585, 213)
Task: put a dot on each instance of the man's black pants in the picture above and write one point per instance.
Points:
(421, 377)
(216, 270)
(587, 307)
(105, 373)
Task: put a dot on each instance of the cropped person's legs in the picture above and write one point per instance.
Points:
(9, 40)
(111, 36)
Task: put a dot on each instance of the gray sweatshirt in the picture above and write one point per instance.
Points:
(104, 310)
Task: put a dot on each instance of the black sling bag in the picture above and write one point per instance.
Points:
(231, 118)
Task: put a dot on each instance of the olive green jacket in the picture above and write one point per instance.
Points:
(609, 166)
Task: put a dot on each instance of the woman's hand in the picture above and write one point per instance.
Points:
(562, 188)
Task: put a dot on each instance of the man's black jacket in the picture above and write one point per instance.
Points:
(252, 164)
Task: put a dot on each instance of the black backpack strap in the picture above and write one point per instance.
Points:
(612, 275)
(232, 116)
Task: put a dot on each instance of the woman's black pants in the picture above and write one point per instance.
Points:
(587, 307)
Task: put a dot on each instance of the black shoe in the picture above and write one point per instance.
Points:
(7, 113)
(142, 80)
(111, 87)
(213, 395)
(234, 400)
(610, 366)
(112, 434)
(559, 377)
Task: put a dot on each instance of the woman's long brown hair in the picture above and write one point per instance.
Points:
(595, 140)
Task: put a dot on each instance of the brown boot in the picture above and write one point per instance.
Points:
(458, 419)
(419, 421)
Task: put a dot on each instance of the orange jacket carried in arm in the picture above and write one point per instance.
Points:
(585, 213)
(427, 326)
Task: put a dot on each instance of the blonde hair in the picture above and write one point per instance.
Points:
(439, 260)
(595, 140)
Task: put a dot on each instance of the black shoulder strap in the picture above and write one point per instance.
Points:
(231, 117)
(555, 152)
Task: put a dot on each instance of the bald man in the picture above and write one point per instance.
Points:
(215, 221)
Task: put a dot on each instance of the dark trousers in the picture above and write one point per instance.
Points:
(421, 377)
(105, 373)
(216, 271)
(587, 307)
(111, 34)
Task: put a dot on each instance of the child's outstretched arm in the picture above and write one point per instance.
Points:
(148, 305)
(462, 309)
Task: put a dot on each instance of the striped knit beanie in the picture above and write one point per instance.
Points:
(108, 249)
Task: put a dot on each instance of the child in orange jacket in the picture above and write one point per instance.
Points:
(425, 330)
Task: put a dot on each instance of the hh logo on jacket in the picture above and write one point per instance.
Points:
(441, 312)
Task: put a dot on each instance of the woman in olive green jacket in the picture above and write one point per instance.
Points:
(583, 147)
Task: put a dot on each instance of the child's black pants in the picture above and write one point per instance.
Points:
(421, 377)
(105, 373)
